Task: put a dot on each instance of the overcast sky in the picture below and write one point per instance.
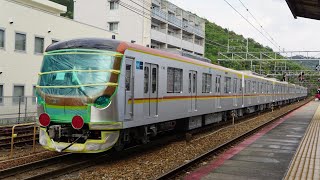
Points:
(274, 15)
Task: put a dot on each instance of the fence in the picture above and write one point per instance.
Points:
(17, 110)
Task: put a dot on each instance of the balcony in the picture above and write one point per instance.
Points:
(198, 49)
(158, 35)
(199, 32)
(175, 21)
(187, 44)
(157, 2)
(159, 14)
(187, 27)
(174, 39)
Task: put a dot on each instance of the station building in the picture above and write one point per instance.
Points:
(153, 23)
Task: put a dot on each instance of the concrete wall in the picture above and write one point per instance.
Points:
(132, 27)
(21, 68)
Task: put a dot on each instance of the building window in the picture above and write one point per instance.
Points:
(113, 26)
(114, 5)
(18, 94)
(38, 45)
(20, 44)
(206, 83)
(1, 94)
(1, 38)
(227, 87)
(174, 81)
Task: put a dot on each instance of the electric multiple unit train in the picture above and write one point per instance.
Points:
(95, 94)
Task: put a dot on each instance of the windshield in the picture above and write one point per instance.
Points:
(79, 72)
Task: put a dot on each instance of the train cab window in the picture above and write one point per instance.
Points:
(227, 86)
(206, 83)
(218, 84)
(146, 79)
(174, 80)
(128, 77)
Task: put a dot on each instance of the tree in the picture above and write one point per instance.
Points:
(69, 4)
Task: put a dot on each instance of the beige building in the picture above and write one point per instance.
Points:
(27, 27)
(154, 23)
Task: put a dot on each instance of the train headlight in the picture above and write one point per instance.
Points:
(44, 119)
(102, 102)
(77, 122)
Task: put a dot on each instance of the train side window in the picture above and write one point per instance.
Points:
(206, 83)
(128, 77)
(154, 80)
(174, 81)
(240, 86)
(146, 79)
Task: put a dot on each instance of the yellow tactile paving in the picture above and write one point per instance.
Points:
(306, 162)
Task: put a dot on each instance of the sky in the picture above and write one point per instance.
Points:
(274, 15)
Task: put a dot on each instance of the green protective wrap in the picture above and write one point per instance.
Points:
(85, 75)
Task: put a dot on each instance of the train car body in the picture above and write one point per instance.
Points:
(94, 94)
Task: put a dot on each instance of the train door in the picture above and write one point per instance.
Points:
(192, 88)
(218, 91)
(150, 89)
(235, 87)
(129, 90)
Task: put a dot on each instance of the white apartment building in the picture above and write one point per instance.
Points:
(154, 23)
(27, 27)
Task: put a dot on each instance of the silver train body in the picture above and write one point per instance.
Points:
(159, 92)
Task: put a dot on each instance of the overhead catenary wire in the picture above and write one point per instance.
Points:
(251, 24)
(141, 13)
(258, 22)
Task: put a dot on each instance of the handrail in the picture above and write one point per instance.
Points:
(13, 135)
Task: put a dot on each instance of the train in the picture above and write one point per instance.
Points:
(94, 94)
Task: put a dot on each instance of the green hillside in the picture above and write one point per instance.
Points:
(220, 37)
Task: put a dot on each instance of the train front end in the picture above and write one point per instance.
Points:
(75, 91)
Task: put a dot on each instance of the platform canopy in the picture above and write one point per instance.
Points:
(305, 8)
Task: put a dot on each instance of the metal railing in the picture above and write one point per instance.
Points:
(16, 110)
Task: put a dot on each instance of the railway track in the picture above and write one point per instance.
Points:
(24, 136)
(181, 170)
(68, 163)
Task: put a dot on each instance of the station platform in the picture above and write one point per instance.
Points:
(289, 149)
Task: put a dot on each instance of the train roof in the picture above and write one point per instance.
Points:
(122, 46)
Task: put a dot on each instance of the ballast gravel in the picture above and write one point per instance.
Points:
(151, 164)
